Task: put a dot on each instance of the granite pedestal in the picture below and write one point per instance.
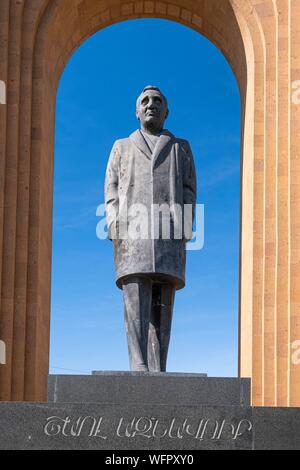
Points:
(169, 412)
(145, 388)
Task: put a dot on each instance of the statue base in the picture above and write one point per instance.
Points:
(150, 412)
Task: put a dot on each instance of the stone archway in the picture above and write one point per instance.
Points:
(259, 38)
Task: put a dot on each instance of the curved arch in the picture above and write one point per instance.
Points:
(258, 38)
(53, 45)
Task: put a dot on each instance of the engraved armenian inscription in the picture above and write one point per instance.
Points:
(148, 428)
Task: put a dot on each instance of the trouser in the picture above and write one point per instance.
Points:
(148, 319)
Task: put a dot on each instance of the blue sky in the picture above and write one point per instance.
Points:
(96, 106)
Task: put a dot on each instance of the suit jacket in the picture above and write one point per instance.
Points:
(137, 178)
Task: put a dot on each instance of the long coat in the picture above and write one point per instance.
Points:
(135, 175)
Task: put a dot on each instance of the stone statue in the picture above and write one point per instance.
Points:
(149, 171)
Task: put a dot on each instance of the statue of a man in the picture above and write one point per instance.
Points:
(151, 171)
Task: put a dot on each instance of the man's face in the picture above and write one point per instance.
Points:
(152, 110)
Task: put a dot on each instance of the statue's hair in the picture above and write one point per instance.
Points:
(151, 87)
